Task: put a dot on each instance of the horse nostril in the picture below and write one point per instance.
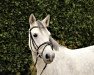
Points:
(47, 56)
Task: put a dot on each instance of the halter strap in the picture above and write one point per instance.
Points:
(31, 37)
(38, 47)
(34, 43)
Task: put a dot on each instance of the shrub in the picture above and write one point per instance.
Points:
(71, 23)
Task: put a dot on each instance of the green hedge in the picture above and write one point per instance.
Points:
(72, 23)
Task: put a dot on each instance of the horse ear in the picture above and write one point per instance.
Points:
(54, 44)
(46, 20)
(32, 19)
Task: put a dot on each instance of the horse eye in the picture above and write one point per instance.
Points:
(35, 35)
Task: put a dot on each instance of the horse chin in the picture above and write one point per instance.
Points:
(48, 61)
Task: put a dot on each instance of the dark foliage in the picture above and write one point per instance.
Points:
(72, 23)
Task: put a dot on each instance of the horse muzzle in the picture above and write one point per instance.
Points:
(48, 58)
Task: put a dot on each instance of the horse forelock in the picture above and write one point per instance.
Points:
(40, 24)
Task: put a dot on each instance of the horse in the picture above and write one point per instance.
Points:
(51, 58)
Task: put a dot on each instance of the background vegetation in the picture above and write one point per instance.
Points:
(72, 23)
